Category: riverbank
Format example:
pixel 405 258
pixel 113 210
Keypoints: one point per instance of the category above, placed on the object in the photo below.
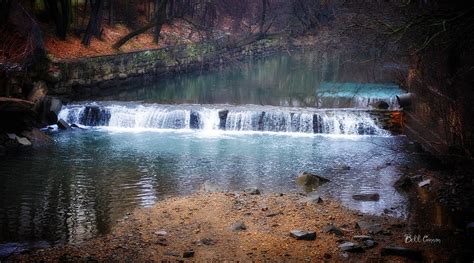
pixel 249 227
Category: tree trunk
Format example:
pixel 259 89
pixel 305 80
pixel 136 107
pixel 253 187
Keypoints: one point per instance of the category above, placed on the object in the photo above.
pixel 160 18
pixel 111 12
pixel 95 23
pixel 262 20
pixel 4 11
pixel 157 22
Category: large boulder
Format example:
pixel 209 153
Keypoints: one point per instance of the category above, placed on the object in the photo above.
pixel 51 108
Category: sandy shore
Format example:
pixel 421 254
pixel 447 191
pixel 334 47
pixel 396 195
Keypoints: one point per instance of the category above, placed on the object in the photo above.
pixel 240 227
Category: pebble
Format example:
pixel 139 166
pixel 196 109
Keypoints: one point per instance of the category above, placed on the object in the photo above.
pixel 303 235
pixel 238 226
pixel 333 230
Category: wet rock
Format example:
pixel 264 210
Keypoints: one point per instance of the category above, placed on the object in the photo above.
pixel 333 230
pixel 351 247
pixel 402 252
pixel 381 105
pixel 51 108
pixel 424 183
pixel 366 197
pixel 362 237
pixel 223 119
pixel 303 235
pixel 22 141
pixel 188 254
pixel 194 120
pixel 368 227
pixel 63 125
pixel 238 226
pixel 95 116
pixel 310 181
pixel 252 191
pixel 313 199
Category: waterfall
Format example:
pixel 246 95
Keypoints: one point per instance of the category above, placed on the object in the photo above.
pixel 233 118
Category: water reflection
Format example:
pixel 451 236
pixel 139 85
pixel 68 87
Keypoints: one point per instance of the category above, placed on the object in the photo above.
pixel 79 188
pixel 281 80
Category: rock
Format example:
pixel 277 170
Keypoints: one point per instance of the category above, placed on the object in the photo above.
pixel 15 105
pixel 207 241
pixel 188 254
pixel 424 183
pixel 194 120
pixel 161 233
pixel 252 191
pixel 362 237
pixel 404 182
pixel 369 243
pixel 223 119
pixel 351 247
pixel 402 252
pixel 38 92
pixel 95 116
pixel 303 235
pixel 381 105
pixel 310 181
pixel 333 230
pixel 37 137
pixel 313 199
pixel 162 242
pixel 368 227
pixel 273 214
pixel 23 141
pixel 63 125
pixel 238 226
pixel 11 136
pixel 51 108
pixel 366 197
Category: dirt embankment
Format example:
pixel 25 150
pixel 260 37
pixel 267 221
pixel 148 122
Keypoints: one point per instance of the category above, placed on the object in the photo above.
pixel 241 227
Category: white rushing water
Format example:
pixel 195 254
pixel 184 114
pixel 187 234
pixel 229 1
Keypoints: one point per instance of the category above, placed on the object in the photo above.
pixel 228 118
